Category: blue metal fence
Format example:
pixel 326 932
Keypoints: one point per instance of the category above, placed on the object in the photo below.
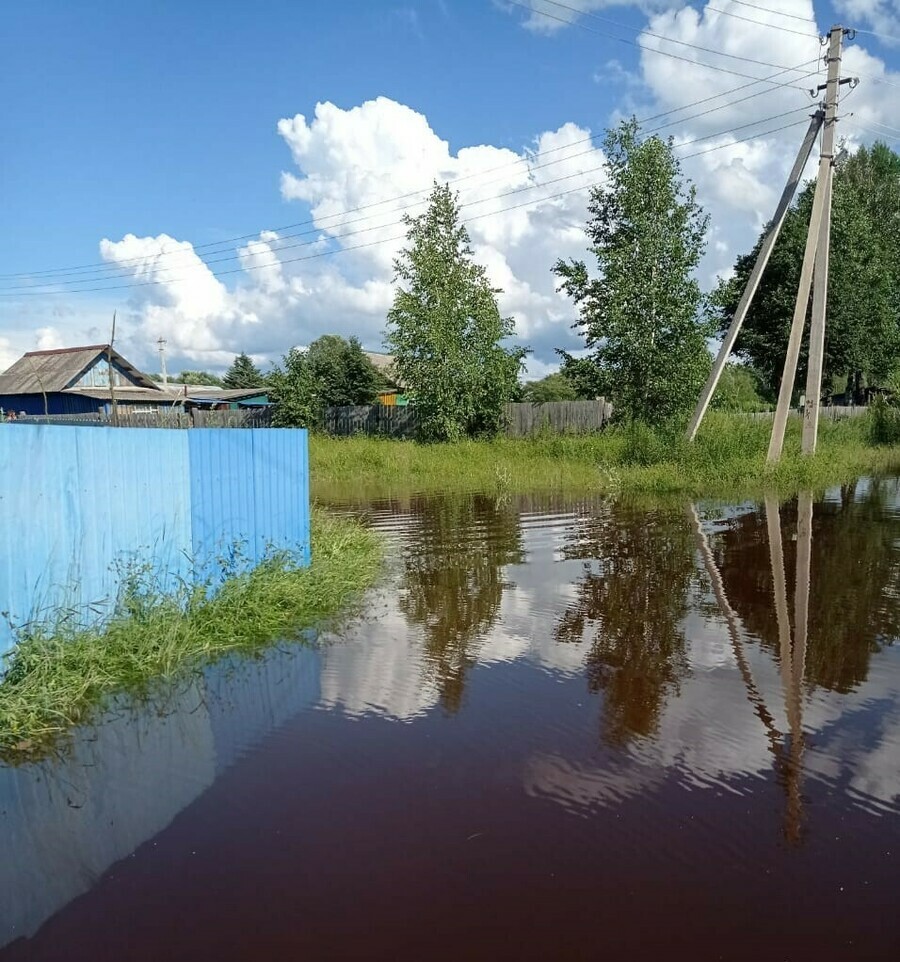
pixel 78 507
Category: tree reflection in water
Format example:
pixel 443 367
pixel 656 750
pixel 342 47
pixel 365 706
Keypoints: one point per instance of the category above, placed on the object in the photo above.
pixel 453 584
pixel 630 605
pixel 854 587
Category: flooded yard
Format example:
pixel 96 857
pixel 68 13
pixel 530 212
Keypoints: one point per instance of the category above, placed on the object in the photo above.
pixel 563 729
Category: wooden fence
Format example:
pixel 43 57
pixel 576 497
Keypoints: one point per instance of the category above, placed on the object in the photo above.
pixel 828 412
pixel 556 417
pixel 522 420
pixel 372 419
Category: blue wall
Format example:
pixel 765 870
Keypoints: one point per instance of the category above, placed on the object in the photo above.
pixel 122 781
pixel 57 403
pixel 78 502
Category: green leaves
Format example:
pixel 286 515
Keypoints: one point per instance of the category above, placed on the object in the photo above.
pixel 862 343
pixel 333 371
pixel 445 329
pixel 243 373
pixel 641 314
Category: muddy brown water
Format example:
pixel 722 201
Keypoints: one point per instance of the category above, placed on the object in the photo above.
pixel 563 729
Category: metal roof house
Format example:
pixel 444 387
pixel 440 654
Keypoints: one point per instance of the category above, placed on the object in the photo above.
pixel 76 380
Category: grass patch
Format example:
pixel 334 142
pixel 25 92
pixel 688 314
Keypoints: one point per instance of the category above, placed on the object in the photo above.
pixel 59 676
pixel 727 459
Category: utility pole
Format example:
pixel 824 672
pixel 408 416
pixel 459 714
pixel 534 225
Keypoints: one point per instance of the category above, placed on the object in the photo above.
pixel 820 281
pixel 786 390
pixel 814 272
pixel 162 360
pixel 762 259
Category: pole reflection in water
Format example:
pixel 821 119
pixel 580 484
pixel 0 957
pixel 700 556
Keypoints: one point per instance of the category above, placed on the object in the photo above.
pixel 558 718
pixel 787 749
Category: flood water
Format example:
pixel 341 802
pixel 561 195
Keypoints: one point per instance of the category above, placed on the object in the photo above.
pixel 563 729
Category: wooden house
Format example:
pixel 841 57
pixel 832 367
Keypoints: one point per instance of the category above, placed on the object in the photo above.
pixel 76 380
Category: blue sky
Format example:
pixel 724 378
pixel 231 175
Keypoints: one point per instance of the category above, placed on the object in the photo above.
pixel 162 121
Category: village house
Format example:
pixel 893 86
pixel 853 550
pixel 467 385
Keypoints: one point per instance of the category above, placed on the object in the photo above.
pixel 76 380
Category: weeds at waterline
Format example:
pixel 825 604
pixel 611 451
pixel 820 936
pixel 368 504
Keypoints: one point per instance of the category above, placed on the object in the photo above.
pixel 727 459
pixel 56 679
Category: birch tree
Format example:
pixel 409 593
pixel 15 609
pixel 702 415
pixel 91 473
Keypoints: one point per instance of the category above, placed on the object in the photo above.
pixel 640 314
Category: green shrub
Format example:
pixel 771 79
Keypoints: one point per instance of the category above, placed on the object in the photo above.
pixel 884 422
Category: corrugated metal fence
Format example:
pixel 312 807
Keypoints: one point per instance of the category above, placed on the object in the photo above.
pixel 79 508
pixel 522 420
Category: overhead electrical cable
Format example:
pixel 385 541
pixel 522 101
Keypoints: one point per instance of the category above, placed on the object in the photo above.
pixel 780 13
pixel 396 223
pixel 763 23
pixel 877 33
pixel 398 237
pixel 316 224
pixel 113 269
pixel 646 33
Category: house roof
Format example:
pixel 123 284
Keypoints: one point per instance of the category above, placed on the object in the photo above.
pixel 206 392
pixel 50 371
pixel 384 364
pixel 134 394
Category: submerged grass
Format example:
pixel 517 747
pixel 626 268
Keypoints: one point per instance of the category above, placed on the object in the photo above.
pixel 726 459
pixel 58 677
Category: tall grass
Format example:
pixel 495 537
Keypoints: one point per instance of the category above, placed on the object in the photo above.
pixel 59 676
pixel 727 458
pixel 884 422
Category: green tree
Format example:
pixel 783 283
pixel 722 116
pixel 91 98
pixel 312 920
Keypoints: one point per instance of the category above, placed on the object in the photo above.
pixel 294 391
pixel 445 329
pixel 553 387
pixel 198 377
pixel 243 373
pixel 862 345
pixel 332 371
pixel 641 314
pixel 739 390
pixel 343 372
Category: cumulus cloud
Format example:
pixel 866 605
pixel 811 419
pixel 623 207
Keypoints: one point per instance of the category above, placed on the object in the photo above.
pixel 739 175
pixel 359 171
pixel 8 354
pixel 880 15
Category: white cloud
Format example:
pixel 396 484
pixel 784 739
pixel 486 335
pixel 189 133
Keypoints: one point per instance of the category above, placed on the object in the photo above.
pixel 739 183
pixel 358 170
pixel 523 211
pixel 881 15
pixel 7 354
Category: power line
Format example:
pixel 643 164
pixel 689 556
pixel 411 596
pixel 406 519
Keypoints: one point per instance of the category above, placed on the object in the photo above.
pixel 780 13
pixel 877 33
pixel 879 123
pixel 876 133
pixel 878 80
pixel 88 271
pixel 763 23
pixel 394 223
pixel 388 240
pixel 646 33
